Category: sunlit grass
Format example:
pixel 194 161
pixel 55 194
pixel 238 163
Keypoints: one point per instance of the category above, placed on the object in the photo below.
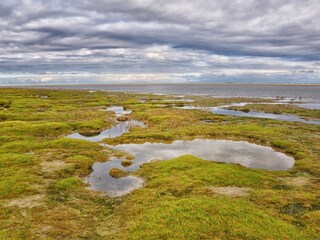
pixel 42 195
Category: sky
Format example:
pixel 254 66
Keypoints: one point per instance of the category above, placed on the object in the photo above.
pixel 159 41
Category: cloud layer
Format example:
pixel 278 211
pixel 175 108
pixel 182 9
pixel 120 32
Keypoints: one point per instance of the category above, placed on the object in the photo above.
pixel 159 41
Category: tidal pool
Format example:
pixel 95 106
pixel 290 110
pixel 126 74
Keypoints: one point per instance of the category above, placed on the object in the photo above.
pixel 223 111
pixel 239 152
pixel 174 100
pixel 314 106
pixel 255 114
pixel 118 110
pixel 100 180
pixel 116 131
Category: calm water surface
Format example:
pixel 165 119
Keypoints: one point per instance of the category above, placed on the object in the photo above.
pixel 310 93
pixel 282 117
pixel 118 110
pixel 222 111
pixel 315 106
pixel 239 152
pixel 116 131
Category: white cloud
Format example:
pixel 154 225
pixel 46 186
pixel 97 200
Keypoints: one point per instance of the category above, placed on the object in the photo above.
pixel 159 39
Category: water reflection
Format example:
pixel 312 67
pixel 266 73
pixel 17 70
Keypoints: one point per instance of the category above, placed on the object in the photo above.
pixel 240 152
pixel 315 106
pixel 255 114
pixel 100 180
pixel 116 131
pixel 118 110
pixel 223 111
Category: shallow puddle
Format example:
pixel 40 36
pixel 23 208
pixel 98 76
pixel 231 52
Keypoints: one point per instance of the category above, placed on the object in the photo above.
pixel 118 110
pixel 283 117
pixel 309 105
pixel 239 152
pixel 116 131
pixel 100 180
pixel 179 100
pixel 255 114
pixel 222 111
pixel 314 106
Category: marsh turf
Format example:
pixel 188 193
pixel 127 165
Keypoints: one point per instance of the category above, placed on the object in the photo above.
pixel 43 196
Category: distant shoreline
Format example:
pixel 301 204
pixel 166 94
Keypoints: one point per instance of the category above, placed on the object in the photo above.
pixel 158 84
pixel 251 90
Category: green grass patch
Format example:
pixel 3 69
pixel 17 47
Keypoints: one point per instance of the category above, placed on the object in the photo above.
pixel 68 183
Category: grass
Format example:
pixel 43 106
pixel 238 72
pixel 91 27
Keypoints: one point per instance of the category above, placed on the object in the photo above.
pixel 177 202
pixel 126 163
pixel 207 218
pixel 42 195
pixel 68 183
pixel 117 173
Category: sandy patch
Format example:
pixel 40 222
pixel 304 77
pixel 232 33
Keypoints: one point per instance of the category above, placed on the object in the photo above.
pixel 26 202
pixel 231 191
pixel 297 181
pixel 50 167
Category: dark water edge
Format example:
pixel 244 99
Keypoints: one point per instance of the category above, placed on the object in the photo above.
pixel 310 93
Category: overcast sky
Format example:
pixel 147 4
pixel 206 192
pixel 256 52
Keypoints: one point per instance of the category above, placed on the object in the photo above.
pixel 107 41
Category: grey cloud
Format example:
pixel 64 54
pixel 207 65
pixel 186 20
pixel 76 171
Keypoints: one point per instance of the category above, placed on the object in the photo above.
pixel 150 36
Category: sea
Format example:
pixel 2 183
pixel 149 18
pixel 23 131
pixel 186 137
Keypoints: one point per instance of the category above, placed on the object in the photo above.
pixel 307 93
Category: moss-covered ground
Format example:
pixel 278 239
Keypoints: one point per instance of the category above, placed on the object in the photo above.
pixel 42 195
